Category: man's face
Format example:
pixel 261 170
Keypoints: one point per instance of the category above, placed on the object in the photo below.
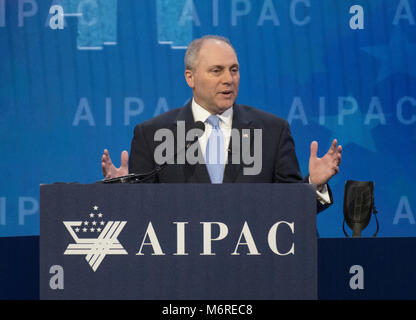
pixel 215 77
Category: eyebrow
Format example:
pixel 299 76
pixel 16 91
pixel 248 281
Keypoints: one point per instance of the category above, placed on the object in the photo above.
pixel 222 67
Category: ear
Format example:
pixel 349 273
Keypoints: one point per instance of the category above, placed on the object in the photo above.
pixel 189 77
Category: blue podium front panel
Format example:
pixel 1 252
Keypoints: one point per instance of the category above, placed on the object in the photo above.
pixel 367 268
pixel 175 241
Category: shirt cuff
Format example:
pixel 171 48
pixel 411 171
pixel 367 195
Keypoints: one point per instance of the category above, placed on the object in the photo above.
pixel 323 195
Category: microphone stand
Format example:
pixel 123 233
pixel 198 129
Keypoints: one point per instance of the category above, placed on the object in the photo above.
pixel 130 178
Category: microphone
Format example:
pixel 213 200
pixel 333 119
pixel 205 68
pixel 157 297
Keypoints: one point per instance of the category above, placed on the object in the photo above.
pixel 358 205
pixel 199 126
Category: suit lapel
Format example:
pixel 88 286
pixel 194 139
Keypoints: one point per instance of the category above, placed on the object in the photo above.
pixel 192 172
pixel 240 121
pixel 198 172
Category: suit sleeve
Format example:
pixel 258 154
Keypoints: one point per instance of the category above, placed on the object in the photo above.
pixel 286 168
pixel 141 156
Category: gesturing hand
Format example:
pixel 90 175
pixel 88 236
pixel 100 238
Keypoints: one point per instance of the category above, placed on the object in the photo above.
pixel 322 169
pixel 109 170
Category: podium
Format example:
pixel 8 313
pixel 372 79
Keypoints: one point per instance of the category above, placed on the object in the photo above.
pixel 178 241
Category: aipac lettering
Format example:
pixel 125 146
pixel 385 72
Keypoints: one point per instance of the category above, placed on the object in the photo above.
pixel 2 13
pixel 95 238
pixel 348 106
pixel 32 5
pixel 209 236
pixel 404 212
pixel 403 12
pixel 104 21
pixel 2 211
pixel 28 206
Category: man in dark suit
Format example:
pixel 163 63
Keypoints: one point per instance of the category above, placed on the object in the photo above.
pixel 212 72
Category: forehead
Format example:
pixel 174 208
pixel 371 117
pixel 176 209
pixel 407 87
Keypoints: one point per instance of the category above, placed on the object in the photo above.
pixel 216 52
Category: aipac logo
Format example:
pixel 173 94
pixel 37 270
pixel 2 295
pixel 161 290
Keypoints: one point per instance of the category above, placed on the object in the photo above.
pixel 88 243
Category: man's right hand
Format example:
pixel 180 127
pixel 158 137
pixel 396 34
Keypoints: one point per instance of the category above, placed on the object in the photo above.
pixel 109 170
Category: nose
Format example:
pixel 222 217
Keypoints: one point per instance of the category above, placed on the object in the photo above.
pixel 227 77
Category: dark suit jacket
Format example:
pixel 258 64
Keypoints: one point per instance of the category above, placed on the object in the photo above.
pixel 279 161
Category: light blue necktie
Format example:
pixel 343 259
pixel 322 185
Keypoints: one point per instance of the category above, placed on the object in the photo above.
pixel 214 155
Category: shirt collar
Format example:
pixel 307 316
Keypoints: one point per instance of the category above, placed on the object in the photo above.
pixel 201 114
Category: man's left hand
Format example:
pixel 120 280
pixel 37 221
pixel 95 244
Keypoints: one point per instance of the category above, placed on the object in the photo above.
pixel 322 169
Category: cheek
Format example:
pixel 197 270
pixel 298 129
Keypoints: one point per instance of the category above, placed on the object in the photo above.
pixel 210 87
pixel 236 85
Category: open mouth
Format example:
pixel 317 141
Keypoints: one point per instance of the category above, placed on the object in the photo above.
pixel 226 93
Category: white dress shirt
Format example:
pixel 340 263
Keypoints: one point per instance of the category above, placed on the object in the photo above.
pixel 226 122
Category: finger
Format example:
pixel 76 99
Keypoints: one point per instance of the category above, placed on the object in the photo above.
pixel 104 166
pixel 106 155
pixel 103 160
pixel 124 159
pixel 333 146
pixel 339 154
pixel 314 149
pixel 105 163
pixel 104 169
pixel 110 162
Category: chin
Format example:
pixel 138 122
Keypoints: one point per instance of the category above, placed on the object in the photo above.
pixel 223 108
pixel 225 105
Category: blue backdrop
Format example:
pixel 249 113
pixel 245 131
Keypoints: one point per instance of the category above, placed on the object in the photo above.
pixel 333 68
